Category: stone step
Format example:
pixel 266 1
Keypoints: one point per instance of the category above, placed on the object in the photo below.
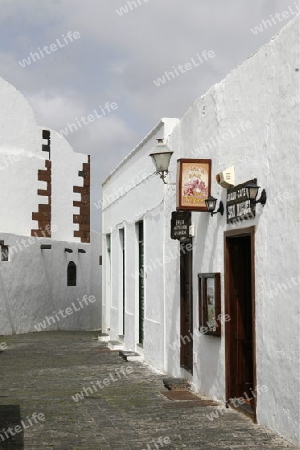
pixel 176 384
pixel 103 337
pixel 115 345
pixel 131 356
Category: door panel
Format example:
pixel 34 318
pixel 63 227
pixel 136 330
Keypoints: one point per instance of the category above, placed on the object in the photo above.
pixel 186 301
pixel 141 282
pixel 239 331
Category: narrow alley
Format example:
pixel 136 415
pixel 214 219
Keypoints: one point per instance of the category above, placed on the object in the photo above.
pixel 68 391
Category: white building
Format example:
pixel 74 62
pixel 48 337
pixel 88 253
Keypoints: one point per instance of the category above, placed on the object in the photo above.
pixel 250 121
pixel 45 262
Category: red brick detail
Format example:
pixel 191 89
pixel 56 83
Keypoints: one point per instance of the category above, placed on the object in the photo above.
pixel 85 198
pixel 82 190
pixel 43 216
pixel 43 175
pixel 83 218
pixel 84 209
pixel 40 233
pixel 44 193
pixel 80 204
pixel 84 235
pixel 84 227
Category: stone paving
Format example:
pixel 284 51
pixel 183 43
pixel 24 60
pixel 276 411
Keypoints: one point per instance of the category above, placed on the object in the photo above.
pixel 119 406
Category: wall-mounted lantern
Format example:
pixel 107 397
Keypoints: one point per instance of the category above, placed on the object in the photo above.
pixel 211 206
pixel 68 250
pixel 46 247
pixel 252 191
pixel 81 250
pixel 161 157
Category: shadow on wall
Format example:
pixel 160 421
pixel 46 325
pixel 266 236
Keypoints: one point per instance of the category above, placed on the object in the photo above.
pixel 7 328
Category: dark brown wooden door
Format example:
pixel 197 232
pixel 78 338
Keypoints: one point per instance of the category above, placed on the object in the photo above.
pixel 186 309
pixel 141 283
pixel 239 336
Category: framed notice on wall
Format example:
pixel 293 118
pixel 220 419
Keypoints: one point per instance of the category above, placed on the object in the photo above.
pixel 209 289
pixel 193 184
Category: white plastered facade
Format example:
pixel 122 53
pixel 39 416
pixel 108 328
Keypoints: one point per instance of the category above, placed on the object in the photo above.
pixel 250 121
pixel 33 282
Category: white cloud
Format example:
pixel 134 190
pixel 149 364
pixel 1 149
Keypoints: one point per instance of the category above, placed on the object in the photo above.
pixel 117 58
pixel 52 109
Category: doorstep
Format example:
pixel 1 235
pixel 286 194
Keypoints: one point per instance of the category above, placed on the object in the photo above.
pixel 245 408
pixel 103 337
pixel 131 356
pixel 176 384
pixel 115 345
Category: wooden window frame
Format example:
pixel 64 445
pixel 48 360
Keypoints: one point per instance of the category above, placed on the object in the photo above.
pixel 204 323
pixel 4 253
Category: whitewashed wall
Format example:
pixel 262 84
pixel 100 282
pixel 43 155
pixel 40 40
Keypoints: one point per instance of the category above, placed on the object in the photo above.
pixel 20 159
pixel 255 126
pixel 96 276
pixel 249 120
pixel 65 166
pixel 33 286
pixel 126 200
pixel 33 283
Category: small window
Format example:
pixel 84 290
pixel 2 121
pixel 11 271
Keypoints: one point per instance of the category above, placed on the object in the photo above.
pixel 108 243
pixel 71 274
pixel 4 252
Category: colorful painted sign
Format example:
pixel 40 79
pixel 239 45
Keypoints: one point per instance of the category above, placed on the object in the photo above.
pixel 193 183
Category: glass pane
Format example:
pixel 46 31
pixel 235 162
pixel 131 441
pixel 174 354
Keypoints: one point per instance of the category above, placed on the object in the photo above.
pixel 211 302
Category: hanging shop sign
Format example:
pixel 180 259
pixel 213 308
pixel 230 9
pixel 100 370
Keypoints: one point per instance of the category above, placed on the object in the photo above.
pixel 193 184
pixel 238 205
pixel 180 223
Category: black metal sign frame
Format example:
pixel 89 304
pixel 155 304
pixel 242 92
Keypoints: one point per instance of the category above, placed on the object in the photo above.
pixel 238 206
pixel 180 223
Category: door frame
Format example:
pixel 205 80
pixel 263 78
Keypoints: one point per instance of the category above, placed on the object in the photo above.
pixel 122 282
pixel 107 287
pixel 250 231
pixel 141 281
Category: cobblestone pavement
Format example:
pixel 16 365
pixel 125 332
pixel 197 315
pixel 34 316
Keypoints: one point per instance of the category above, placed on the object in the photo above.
pixel 122 406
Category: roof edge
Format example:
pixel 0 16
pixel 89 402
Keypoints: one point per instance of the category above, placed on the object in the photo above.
pixel 135 150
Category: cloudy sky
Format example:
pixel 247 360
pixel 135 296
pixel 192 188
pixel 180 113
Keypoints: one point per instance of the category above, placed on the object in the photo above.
pixel 117 56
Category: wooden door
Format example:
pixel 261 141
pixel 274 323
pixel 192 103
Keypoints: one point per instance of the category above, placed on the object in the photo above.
pixel 186 310
pixel 123 280
pixel 240 373
pixel 141 282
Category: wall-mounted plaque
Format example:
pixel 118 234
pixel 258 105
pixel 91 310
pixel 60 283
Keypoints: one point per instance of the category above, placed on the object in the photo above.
pixel 238 206
pixel 209 303
pixel 180 223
